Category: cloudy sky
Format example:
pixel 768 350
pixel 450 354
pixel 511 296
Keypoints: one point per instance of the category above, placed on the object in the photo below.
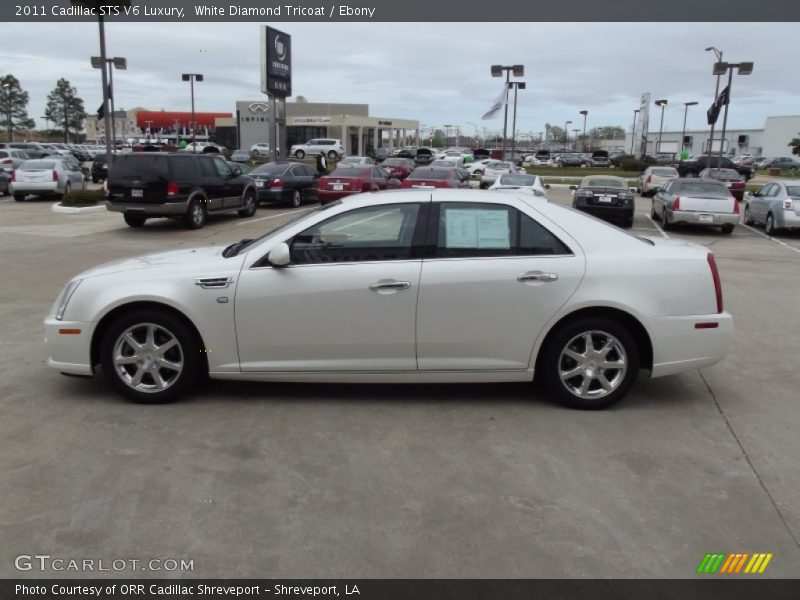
pixel 435 72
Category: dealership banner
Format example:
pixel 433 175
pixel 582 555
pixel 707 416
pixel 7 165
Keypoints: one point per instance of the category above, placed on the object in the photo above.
pixel 402 589
pixel 311 120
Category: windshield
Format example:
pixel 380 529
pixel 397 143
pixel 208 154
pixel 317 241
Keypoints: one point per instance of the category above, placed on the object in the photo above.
pixel 525 180
pixel 698 188
pixel 428 174
pixel 604 183
pixel 270 169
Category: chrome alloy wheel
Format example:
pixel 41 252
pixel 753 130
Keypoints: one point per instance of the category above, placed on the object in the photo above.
pixel 148 358
pixel 592 364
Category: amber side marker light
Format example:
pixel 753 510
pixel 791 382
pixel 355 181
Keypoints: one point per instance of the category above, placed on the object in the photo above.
pixel 69 331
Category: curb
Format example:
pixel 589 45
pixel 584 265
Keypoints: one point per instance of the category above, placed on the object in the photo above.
pixel 74 210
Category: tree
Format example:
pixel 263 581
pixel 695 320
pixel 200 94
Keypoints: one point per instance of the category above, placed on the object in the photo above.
pixel 13 107
pixel 65 109
pixel 795 145
pixel 555 134
pixel 607 132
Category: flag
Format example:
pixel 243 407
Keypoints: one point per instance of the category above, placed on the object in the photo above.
pixel 723 99
pixel 499 102
pixel 101 112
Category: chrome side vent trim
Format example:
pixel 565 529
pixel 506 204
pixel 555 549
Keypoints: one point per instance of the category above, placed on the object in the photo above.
pixel 213 283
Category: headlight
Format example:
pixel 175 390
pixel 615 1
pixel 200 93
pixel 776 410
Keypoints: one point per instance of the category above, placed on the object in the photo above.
pixel 65 296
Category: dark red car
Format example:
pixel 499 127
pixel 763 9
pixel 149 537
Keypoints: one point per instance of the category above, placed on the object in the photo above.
pixel 352 179
pixel 440 177
pixel 399 167
pixel 731 178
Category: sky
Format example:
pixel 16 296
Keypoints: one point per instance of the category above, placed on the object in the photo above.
pixel 437 73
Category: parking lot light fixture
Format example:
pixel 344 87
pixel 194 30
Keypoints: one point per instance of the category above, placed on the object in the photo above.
pixel 686 106
pixel 121 64
pixel 742 68
pixel 191 78
pixel 662 104
pixel 497 71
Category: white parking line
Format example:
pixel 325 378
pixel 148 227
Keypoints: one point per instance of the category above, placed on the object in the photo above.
pixel 661 231
pixel 769 237
pixel 291 212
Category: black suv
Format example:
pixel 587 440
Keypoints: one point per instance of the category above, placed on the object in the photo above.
pixel 99 168
pixel 692 168
pixel 177 185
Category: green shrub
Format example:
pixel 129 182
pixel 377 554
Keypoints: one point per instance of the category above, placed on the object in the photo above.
pixel 83 198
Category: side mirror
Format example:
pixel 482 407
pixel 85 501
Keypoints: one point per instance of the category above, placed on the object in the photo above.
pixel 279 256
pixel 573 187
pixel 547 186
pixel 632 190
pixel 237 170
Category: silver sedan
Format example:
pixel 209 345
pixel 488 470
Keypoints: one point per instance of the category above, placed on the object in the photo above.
pixel 46 176
pixel 776 206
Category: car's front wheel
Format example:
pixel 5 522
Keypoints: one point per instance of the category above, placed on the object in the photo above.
pixel 590 363
pixel 150 357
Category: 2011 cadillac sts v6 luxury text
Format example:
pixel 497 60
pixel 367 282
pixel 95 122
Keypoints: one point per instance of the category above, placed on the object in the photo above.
pixel 403 286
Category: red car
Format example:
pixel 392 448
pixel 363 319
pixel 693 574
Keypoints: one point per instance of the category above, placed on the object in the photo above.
pixel 399 167
pixel 440 177
pixel 731 178
pixel 352 179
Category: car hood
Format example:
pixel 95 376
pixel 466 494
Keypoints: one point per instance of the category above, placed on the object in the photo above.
pixel 204 259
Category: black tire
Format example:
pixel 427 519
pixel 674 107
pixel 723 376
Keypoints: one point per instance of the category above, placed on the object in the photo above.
pixel 332 155
pixel 6 192
pixel 195 216
pixel 249 206
pixel 134 220
pixel 727 229
pixel 483 186
pixel 185 353
pixel 769 225
pixel 95 180
pixel 19 197
pixel 295 199
pixel 653 213
pixel 748 218
pixel 67 189
pixel 628 223
pixel 623 351
pixel 666 224
pixel 300 155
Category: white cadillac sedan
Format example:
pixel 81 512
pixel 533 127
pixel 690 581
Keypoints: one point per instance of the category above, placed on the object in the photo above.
pixel 406 286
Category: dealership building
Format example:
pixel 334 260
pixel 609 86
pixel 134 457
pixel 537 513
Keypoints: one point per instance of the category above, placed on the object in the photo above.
pixel 304 121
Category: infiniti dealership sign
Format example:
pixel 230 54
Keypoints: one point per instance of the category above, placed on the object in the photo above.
pixel 276 62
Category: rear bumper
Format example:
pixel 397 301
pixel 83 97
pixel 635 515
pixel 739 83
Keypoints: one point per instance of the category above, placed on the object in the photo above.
pixel 693 218
pixel 787 219
pixel 607 213
pixel 270 195
pixel 24 187
pixel 679 346
pixel 329 196
pixel 166 208
pixel 69 353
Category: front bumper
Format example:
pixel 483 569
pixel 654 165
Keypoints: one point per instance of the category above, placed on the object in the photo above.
pixel 141 208
pixel 694 218
pixel 69 353
pixel 679 346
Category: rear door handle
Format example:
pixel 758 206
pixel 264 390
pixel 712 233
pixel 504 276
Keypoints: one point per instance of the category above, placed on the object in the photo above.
pixel 390 285
pixel 537 276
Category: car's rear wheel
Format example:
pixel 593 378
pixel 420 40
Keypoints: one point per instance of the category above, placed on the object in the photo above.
pixel 248 206
pixel 19 197
pixel 300 154
pixel 727 228
pixel 195 216
pixel 653 213
pixel 150 357
pixel 67 189
pixel 95 180
pixel 134 220
pixel 295 199
pixel 666 222
pixel 769 225
pixel 590 363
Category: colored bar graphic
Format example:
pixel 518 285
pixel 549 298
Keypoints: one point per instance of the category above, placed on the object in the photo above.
pixel 711 562
pixel 734 563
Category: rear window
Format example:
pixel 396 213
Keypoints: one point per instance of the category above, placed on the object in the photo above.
pixel 100 159
pixel 698 188
pixel 38 164
pixel 793 190
pixel 139 166
pixel 525 180
pixel 604 183
pixel 665 172
pixel 428 174
pixel 351 172
pixel 270 169
pixel 396 162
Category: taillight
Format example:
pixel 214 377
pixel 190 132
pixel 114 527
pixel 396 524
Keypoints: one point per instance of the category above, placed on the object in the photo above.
pixel 735 206
pixel 172 189
pixel 7 161
pixel 275 182
pixel 649 178
pixel 676 205
pixel 55 175
pixel 715 276
pixel 788 205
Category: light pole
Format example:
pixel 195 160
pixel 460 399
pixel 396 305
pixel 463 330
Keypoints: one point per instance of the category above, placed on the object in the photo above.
pixel 575 145
pixel 633 131
pixel 743 68
pixel 686 106
pixel 191 78
pixel 7 88
pixel 477 137
pixel 566 134
pixel 718 55
pixel 497 71
pixel 583 145
pixel 517 85
pixel 119 63
pixel 662 104
pixel 447 135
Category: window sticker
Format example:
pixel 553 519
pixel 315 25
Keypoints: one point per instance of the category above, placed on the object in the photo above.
pixel 471 228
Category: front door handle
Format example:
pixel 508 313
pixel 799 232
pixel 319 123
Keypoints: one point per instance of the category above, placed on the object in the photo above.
pixel 537 276
pixel 390 285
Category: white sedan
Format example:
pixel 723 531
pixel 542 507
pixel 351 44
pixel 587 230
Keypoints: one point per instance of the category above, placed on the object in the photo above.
pixel 501 287
pixel 521 182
